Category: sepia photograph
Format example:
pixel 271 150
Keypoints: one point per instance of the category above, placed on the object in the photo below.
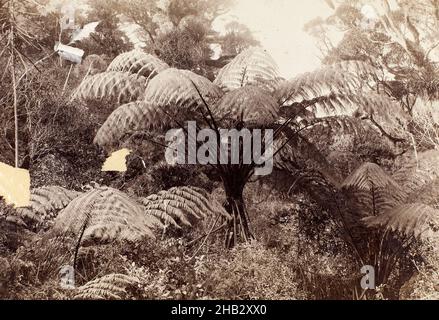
pixel 219 155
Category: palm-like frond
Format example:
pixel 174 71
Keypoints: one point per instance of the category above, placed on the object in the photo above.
pixel 387 202
pixel 332 79
pixel 368 176
pixel 415 219
pixel 375 190
pixel 109 287
pixel 182 204
pixel 113 216
pixel 123 87
pixel 253 66
pixel 45 203
pixel 131 117
pixel 249 105
pixel 138 62
pixel 175 88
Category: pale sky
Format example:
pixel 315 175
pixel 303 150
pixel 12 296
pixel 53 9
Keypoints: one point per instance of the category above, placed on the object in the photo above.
pixel 278 25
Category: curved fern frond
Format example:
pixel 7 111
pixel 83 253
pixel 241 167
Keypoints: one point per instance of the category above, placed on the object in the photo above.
pixel 131 117
pixel 249 105
pixel 45 203
pixel 112 214
pixel 202 199
pixel 324 81
pixel 182 202
pixel 123 87
pixel 375 191
pixel 109 287
pixel 138 62
pixel 175 88
pixel 416 219
pixel 368 176
pixel 253 66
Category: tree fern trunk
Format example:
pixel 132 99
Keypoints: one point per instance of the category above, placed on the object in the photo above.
pixel 238 229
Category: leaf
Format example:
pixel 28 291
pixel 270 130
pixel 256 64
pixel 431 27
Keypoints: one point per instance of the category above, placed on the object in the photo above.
pixel 111 286
pixel 249 105
pixel 175 88
pixel 123 87
pixel 415 219
pixel 253 66
pixel 138 62
pixel 131 117
pixel 45 203
pixel 113 216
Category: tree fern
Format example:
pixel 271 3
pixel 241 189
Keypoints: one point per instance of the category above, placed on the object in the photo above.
pixel 109 287
pixel 328 100
pixel 123 87
pixel 138 62
pixel 253 66
pixel 336 91
pixel 389 205
pixel 339 78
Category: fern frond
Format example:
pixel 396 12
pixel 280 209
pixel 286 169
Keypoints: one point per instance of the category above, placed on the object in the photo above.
pixel 416 219
pixel 253 66
pixel 182 202
pixel 45 203
pixel 121 86
pixel 131 117
pixel 109 287
pixel 113 216
pixel 249 105
pixel 375 190
pixel 368 176
pixel 202 198
pixel 174 88
pixel 322 82
pixel 138 62
pixel 174 209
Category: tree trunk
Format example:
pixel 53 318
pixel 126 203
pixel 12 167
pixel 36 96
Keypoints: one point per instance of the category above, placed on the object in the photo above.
pixel 238 229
